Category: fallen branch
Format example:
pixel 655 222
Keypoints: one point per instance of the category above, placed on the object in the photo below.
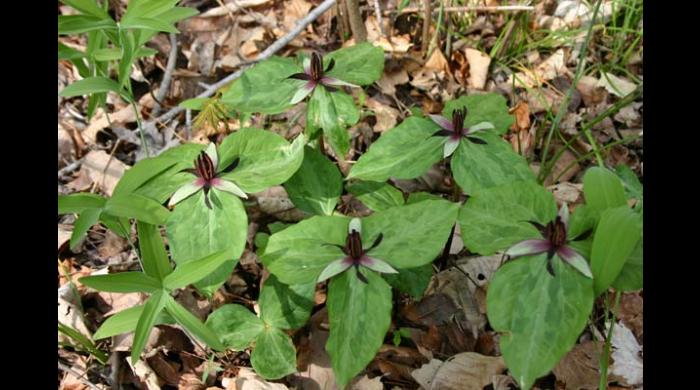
pixel 272 49
pixel 78 376
pixel 475 8
pixel 70 168
pixel 167 76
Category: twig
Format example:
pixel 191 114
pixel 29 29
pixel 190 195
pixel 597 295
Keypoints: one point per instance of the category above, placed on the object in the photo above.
pixel 272 49
pixel 426 27
pixel 501 8
pixel 378 14
pixel 78 376
pixel 357 24
pixel 167 76
pixel 70 168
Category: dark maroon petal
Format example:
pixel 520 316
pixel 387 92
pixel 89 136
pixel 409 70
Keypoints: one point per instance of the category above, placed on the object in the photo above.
pixel 300 76
pixel 583 235
pixel 550 269
pixel 362 278
pixel 442 133
pixel 376 242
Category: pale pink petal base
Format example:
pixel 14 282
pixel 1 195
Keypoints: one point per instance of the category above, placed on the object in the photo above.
pixel 442 122
pixel 333 82
pixel 480 127
pixel 230 187
pixel 528 247
pixel 334 268
pixel 211 152
pixel 186 191
pixel 378 265
pixel 577 261
pixel 303 92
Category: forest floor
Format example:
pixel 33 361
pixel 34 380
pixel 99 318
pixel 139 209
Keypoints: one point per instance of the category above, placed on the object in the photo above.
pixel 530 55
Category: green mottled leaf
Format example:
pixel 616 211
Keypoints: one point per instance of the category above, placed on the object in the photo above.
pixel 413 235
pixel 497 218
pixel 266 159
pixel 376 195
pixel 540 317
pixel 195 231
pixel 490 107
pixel 324 114
pixel 631 277
pixel 616 236
pixel 286 306
pixel 317 185
pixel 477 167
pixel 404 152
pixel 359 316
pixel 235 326
pixel 412 281
pixel 274 355
pixel 361 64
pixel 139 207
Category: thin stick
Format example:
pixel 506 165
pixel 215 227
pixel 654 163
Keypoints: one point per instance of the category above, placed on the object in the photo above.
pixel 426 27
pixel 378 14
pixel 70 168
pixel 167 76
pixel 357 24
pixel 502 8
pixel 272 49
pixel 78 376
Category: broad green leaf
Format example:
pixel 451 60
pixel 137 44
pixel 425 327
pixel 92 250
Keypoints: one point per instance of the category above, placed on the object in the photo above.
pixel 141 173
pixel 87 7
pixel 264 87
pixel 148 318
pixel 327 117
pixel 81 226
pixel 497 218
pixel 630 181
pixel 148 24
pixel 616 236
pixel 602 189
pixel 118 225
pixel 274 355
pixel 89 86
pixel 298 254
pixel 286 306
pixel 73 55
pixel 413 235
pixel 266 159
pixel 376 195
pixel 178 13
pixel 79 202
pixel 193 104
pixel 490 107
pixel 582 220
pixel 154 258
pixel 539 316
pixel 123 282
pixel 317 185
pixel 107 54
pixel 235 326
pixel 361 64
pixel 196 270
pixel 148 8
pixel 129 44
pixel 139 207
pixel 125 322
pixel 195 231
pixel 78 24
pixel 160 186
pixel 412 281
pixel 145 52
pixel 83 342
pixel 192 324
pixel 404 152
pixel 631 277
pixel 416 197
pixel 359 316
pixel 477 167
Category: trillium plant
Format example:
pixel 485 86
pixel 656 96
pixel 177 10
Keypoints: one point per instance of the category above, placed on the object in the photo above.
pixel 539 301
pixel 314 75
pixel 554 241
pixel 206 169
pixel 455 131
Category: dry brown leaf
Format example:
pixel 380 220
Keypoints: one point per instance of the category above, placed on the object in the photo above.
pixel 121 301
pixel 503 382
pixel 564 169
pixel 522 116
pixel 69 313
pixel 543 99
pixel 389 81
pixel 632 313
pixel 103 169
pixel 465 371
pixel 478 67
pixel 275 201
pixel 247 379
pixel 437 62
pixel 591 93
pixel 100 121
pixel 249 48
pixel 365 383
pixel 293 11
pixel 385 115
pixel 314 363
pixel 392 44
pixel 145 374
pixel 628 365
pixel 618 86
pixel 190 381
pixel 553 66
pixel 66 150
pixel 112 245
pixel 71 382
pixel 566 192
pixel 578 369
pixel 64 233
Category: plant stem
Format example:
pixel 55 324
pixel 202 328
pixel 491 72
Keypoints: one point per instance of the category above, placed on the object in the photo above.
pixel 565 103
pixel 603 384
pixel 426 27
pixel 132 100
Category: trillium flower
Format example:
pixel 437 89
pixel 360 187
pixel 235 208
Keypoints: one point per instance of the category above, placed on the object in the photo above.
pixel 207 173
pixel 454 129
pixel 356 255
pixel 554 241
pixel 314 75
